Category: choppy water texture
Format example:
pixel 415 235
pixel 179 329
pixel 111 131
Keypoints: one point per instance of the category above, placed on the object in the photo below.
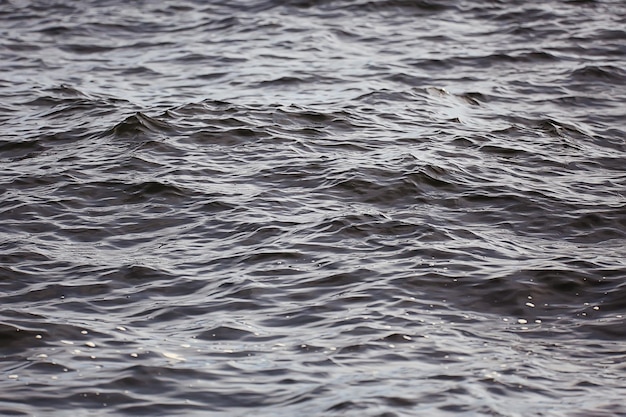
pixel 313 208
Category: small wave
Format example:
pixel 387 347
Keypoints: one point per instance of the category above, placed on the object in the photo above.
pixel 140 123
pixel 600 73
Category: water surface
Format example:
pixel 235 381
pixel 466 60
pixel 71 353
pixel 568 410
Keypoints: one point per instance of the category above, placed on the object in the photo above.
pixel 322 208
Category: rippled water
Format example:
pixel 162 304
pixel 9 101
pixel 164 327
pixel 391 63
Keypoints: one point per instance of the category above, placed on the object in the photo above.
pixel 317 208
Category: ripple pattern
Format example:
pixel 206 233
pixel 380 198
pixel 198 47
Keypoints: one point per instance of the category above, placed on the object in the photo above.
pixel 325 208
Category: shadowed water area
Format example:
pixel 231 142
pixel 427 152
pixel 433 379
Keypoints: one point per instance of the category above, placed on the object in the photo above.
pixel 313 208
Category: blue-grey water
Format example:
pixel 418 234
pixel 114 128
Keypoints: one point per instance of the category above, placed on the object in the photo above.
pixel 313 208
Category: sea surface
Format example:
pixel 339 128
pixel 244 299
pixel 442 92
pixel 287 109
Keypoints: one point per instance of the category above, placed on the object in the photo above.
pixel 369 208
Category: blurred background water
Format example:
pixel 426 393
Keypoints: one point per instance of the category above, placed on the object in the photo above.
pixel 320 208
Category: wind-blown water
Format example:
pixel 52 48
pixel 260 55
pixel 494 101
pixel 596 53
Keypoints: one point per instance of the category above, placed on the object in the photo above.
pixel 316 208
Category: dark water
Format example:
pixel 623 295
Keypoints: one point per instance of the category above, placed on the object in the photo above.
pixel 313 208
